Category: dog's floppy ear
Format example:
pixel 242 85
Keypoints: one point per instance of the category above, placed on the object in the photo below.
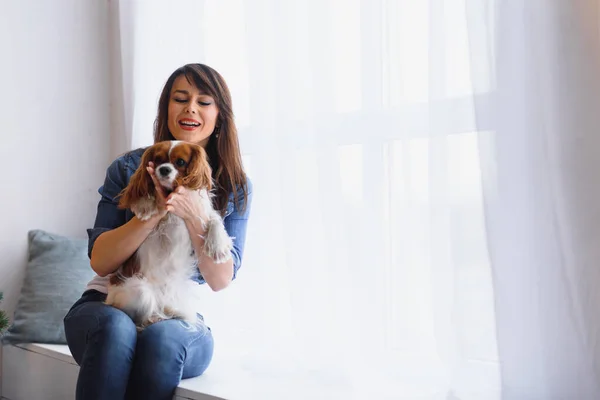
pixel 199 173
pixel 140 185
pixel 130 267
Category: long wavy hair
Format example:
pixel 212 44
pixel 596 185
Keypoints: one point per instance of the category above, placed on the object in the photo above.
pixel 223 147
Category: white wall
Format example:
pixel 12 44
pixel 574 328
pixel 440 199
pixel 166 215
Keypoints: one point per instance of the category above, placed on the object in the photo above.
pixel 54 123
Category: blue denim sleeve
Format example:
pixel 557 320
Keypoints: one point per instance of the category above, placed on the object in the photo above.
pixel 108 215
pixel 236 225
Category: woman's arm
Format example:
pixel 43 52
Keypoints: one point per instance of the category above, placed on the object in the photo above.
pixel 113 241
pixel 217 276
pixel 112 248
pixel 185 204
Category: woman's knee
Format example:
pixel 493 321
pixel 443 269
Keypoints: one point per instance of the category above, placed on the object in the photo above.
pixel 108 329
pixel 174 346
pixel 161 344
pixel 117 327
pixel 199 354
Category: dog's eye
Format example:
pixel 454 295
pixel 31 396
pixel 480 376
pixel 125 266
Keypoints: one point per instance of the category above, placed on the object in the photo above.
pixel 180 162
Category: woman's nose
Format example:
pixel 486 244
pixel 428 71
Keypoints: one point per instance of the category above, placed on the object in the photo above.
pixel 191 109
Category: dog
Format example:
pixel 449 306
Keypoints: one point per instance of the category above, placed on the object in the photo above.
pixel 155 283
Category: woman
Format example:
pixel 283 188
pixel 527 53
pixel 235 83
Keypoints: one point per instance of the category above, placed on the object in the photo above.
pixel 115 361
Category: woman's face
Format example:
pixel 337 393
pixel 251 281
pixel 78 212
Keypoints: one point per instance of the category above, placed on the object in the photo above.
pixel 192 115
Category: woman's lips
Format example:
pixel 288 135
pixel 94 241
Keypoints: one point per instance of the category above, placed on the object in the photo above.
pixel 188 124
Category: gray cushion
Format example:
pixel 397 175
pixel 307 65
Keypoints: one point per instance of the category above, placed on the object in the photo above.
pixel 58 270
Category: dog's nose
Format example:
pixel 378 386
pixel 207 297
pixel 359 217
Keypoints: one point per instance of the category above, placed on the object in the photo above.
pixel 164 171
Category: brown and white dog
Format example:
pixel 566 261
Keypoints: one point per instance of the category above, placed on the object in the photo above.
pixel 155 282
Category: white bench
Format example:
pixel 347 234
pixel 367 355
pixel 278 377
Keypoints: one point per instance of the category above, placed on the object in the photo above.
pixel 48 372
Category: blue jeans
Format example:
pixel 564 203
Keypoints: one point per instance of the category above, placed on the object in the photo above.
pixel 117 362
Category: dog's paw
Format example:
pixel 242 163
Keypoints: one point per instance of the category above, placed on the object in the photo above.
pixel 174 313
pixel 141 325
pixel 217 243
pixel 146 216
pixel 145 208
pixel 171 312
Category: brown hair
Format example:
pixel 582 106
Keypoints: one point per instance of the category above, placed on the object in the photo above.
pixel 223 150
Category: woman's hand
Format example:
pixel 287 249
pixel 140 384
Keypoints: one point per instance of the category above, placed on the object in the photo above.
pixel 161 200
pixel 184 203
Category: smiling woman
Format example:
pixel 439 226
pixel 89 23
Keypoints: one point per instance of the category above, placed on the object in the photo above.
pixel 195 105
pixel 192 113
pixel 115 360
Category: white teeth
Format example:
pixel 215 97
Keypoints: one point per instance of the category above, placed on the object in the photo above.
pixel 189 123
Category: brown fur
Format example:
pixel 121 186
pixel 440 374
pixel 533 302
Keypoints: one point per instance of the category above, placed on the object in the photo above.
pixel 141 183
pixel 129 268
pixel 196 174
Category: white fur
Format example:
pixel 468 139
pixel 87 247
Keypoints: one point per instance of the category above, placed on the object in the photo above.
pixel 166 181
pixel 164 288
pixel 174 143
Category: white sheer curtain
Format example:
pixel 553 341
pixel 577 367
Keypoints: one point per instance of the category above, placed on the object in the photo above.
pixel 542 194
pixel 376 133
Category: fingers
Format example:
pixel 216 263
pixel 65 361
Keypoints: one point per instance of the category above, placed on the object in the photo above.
pixel 160 192
pixel 173 201
pixel 157 185
pixel 178 191
pixel 167 201
pixel 171 198
pixel 150 169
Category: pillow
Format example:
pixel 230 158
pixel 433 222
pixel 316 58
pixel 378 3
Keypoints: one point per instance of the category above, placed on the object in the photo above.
pixel 58 270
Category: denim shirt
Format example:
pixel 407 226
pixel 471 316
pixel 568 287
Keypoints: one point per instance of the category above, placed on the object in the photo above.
pixel 109 216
